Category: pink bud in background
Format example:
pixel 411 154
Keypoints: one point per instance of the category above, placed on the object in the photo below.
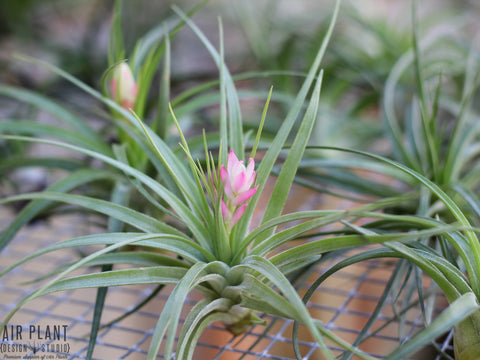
pixel 237 184
pixel 123 86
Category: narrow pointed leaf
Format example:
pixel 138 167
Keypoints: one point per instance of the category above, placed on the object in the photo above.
pixel 460 309
pixel 66 184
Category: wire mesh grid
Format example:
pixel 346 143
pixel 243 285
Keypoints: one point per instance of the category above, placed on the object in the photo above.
pixel 58 324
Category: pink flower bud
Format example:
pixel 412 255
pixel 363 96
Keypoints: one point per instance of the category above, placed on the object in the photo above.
pixel 123 86
pixel 237 179
pixel 237 184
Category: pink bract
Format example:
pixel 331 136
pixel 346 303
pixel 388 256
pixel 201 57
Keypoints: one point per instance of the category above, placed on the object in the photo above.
pixel 123 86
pixel 237 183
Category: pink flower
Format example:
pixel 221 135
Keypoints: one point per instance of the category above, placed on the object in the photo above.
pixel 237 184
pixel 123 86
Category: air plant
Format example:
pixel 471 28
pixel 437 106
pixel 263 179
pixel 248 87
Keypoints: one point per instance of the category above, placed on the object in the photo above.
pixel 434 144
pixel 210 246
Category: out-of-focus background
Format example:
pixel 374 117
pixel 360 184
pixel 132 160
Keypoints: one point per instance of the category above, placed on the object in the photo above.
pixel 275 37
pixel 261 34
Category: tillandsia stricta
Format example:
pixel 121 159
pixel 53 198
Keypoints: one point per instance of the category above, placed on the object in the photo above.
pixel 210 247
pixel 441 165
pixel 213 249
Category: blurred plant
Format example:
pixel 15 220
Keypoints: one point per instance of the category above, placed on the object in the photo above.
pixel 107 182
pixel 434 140
pixel 79 131
pixel 428 122
pixel 363 51
pixel 11 151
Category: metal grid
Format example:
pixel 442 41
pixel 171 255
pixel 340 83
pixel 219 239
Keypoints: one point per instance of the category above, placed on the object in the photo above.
pixel 343 303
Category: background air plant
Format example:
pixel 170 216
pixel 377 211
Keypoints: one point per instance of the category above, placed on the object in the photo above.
pixel 434 139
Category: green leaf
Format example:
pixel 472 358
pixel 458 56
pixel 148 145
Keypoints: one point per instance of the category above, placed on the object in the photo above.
pixel 320 218
pixel 150 275
pixel 148 53
pixel 459 310
pixel 260 127
pixel 447 277
pixel 447 284
pixel 336 172
pixel 332 243
pixel 264 267
pixel 161 122
pixel 202 325
pixel 116 50
pixel 171 312
pixel 258 296
pixel 429 137
pixel 140 258
pixel 132 257
pixel 470 197
pixel 200 181
pixel 234 115
pixel 287 265
pixel 178 244
pixel 223 123
pixel 46 104
pixel 22 127
pixel 289 168
pixel 449 270
pixel 120 195
pixel 97 315
pixel 393 126
pixel 192 328
pixel 283 132
pixel 125 214
pixel 189 218
pixel 68 183
pixel 464 132
pixel 473 243
pixel 18 161
pixel 132 310
pixel 465 338
pixel 353 259
pixel 45 288
pixel 183 179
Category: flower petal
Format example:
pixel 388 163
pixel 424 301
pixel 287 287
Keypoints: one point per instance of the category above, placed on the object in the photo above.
pixel 238 213
pixel 246 195
pixel 232 162
pixel 251 167
pixel 227 188
pixel 225 211
pixel 223 174
pixel 240 184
